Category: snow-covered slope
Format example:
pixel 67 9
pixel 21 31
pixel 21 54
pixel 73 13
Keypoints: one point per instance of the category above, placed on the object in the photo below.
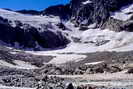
pixel 30 31
pixel 33 20
pixel 82 41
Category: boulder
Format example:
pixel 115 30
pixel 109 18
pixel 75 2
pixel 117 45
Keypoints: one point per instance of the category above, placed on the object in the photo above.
pixel 130 71
pixel 70 86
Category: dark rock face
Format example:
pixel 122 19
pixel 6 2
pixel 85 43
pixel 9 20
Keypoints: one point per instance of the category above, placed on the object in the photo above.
pixel 31 12
pixel 63 11
pixel 96 12
pixel 128 26
pixel 130 71
pixel 48 39
pixel 70 86
pixel 113 24
pixel 30 37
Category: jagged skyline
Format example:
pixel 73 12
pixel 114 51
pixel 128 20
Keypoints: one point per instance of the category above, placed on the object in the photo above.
pixel 30 4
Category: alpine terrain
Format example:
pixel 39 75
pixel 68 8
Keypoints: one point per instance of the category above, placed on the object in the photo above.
pixel 85 44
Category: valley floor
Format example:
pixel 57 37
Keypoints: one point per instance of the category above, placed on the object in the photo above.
pixel 100 81
pixel 38 61
pixel 112 80
pixel 6 87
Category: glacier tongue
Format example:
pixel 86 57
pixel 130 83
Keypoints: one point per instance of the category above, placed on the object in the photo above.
pixel 94 40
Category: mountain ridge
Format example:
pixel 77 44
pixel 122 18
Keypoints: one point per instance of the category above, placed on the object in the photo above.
pixel 50 28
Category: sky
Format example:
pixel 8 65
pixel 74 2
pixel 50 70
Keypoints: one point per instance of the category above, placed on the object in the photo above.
pixel 30 4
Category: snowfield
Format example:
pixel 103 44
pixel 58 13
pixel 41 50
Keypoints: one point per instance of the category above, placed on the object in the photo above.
pixel 116 41
pixel 35 21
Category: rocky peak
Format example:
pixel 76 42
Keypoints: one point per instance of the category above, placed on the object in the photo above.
pixel 85 12
pixel 95 11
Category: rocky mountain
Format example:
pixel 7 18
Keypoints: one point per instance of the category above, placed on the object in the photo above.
pixel 84 42
pixel 48 28
pixel 96 11
pixel 86 12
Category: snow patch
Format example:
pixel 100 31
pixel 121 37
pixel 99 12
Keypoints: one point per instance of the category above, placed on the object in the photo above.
pixel 7 87
pixel 94 63
pixel 60 58
pixel 19 65
pixel 87 2
pixel 24 65
pixel 92 25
